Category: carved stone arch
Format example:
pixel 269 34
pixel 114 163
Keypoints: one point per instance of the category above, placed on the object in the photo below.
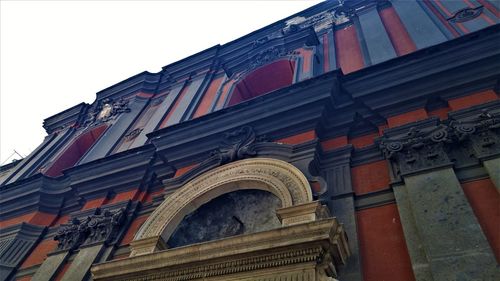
pixel 278 177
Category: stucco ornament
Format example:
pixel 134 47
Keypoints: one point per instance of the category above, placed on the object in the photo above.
pixel 275 176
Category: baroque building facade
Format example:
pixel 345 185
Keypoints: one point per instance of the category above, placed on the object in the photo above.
pixel 350 141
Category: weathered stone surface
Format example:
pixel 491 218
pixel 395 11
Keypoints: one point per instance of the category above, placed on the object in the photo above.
pixel 493 168
pixel 234 213
pixel 308 251
pixel 452 239
pixel 80 266
pixel 50 266
pixel 343 210
pixel 419 262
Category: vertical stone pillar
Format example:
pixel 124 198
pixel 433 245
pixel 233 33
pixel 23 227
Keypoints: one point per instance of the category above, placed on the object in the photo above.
pixel 47 271
pixel 444 238
pixel 493 168
pixel 451 236
pixel 336 169
pixel 416 251
pixel 92 231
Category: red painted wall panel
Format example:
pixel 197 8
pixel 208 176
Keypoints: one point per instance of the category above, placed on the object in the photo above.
pixel 471 100
pixel 384 254
pixel 370 177
pixel 62 271
pixel 363 141
pixel 37 218
pixel 349 56
pixel 485 201
pixel 208 97
pixel 133 228
pixel 407 117
pixel 401 40
pixel 334 143
pixel 39 254
pixel 177 101
pixel 75 151
pixel 300 138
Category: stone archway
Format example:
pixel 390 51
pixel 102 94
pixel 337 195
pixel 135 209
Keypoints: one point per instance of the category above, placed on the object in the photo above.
pixel 275 176
pixel 309 245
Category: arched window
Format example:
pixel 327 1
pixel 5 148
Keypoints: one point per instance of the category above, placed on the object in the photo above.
pixel 263 80
pixel 70 156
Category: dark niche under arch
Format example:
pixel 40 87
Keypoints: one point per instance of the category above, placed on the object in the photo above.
pixel 233 213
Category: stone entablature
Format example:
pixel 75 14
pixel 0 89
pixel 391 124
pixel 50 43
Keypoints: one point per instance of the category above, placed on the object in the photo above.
pixel 307 251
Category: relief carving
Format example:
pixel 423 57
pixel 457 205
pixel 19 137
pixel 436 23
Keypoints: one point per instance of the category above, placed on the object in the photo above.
pixel 106 110
pixel 466 14
pixel 455 141
pixel 417 150
pixel 102 226
pixel 481 131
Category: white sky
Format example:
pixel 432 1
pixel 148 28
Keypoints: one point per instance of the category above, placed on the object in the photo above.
pixel 56 54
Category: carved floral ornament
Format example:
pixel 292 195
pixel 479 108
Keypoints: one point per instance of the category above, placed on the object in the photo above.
pixel 99 227
pixel 426 148
pixel 275 176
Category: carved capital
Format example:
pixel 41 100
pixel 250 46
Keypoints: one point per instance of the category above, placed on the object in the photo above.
pixel 482 132
pixel 101 227
pixel 418 150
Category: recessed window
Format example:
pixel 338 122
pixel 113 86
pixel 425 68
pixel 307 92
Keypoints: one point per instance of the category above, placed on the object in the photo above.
pixel 263 80
pixel 75 151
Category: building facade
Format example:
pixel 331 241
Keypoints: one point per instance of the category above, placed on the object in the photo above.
pixel 350 141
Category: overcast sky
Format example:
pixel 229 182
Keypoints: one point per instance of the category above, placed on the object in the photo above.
pixel 56 54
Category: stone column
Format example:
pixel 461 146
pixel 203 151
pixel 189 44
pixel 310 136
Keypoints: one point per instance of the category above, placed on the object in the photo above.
pixel 336 169
pixel 91 231
pixel 47 271
pixel 444 238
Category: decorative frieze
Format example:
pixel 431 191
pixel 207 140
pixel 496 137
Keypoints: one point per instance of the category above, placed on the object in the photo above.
pixel 237 145
pixel 102 226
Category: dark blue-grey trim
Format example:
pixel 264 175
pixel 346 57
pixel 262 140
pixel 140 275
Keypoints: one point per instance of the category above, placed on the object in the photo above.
pixel 421 28
pixel 377 41
pixel 361 39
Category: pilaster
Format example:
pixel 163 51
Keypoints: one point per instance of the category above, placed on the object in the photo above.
pixel 339 197
pixel 443 235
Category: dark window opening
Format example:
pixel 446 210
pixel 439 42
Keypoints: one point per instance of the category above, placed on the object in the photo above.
pixel 75 151
pixel 263 80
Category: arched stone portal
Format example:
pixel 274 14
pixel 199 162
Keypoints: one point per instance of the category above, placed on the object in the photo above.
pixel 275 176
pixel 309 245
